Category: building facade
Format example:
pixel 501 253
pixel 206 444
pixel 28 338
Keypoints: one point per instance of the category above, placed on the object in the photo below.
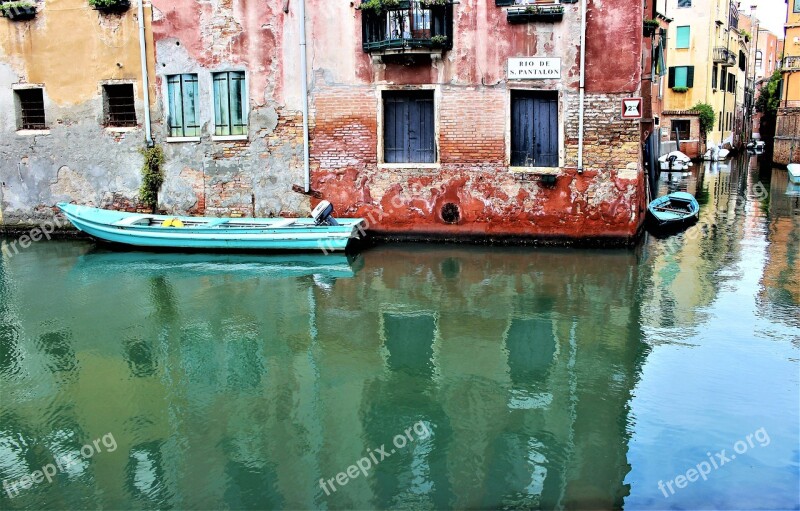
pixel 71 109
pixel 787 129
pixel 427 118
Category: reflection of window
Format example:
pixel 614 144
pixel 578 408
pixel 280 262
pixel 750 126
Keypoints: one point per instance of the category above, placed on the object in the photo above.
pixel 409 341
pixel 229 95
pixel 682 40
pixel 182 98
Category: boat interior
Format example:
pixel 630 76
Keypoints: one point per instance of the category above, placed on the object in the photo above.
pixel 226 223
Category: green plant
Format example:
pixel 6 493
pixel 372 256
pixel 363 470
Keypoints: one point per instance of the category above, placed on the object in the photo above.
pixel 9 6
pixel 680 89
pixel 378 6
pixel 744 33
pixel 431 3
pixel 532 9
pixel 105 3
pixel 707 117
pixel 653 23
pixel 152 175
pixel 768 97
pixel 439 40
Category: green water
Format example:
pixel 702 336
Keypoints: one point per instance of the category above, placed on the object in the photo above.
pixel 513 377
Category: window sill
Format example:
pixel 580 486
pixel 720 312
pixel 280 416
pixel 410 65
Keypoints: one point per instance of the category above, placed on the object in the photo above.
pixel 535 170
pixel 175 140
pixel 228 138
pixel 32 133
pixel 121 129
pixel 409 165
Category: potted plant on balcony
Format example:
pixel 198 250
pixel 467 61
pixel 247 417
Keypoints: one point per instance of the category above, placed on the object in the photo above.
pixel 680 90
pixel 378 6
pixel 434 3
pixel 439 41
pixel 18 11
pixel 111 6
pixel 649 27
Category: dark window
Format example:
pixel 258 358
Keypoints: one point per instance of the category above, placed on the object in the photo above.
pixel 731 82
pixel 31 109
pixel 408 127
pixel 684 3
pixel 680 129
pixel 229 109
pixel 742 61
pixel 759 56
pixel 182 104
pixel 723 84
pixel 720 121
pixel 120 110
pixel 714 77
pixel 534 129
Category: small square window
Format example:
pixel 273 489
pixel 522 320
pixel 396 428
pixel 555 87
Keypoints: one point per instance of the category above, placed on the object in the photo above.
pixel 30 109
pixel 118 105
pixel 680 129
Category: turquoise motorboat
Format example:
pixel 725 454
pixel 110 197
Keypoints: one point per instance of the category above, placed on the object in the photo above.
pixel 794 172
pixel 320 233
pixel 673 211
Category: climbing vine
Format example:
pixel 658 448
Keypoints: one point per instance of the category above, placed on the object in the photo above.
pixel 152 175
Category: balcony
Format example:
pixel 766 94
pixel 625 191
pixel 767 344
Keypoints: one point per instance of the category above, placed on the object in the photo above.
pixel 791 63
pixel 536 11
pixel 724 56
pixel 406 27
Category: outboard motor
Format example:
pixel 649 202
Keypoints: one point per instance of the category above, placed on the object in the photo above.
pixel 322 214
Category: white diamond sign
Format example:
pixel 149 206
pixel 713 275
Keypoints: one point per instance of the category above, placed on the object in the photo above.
pixel 632 108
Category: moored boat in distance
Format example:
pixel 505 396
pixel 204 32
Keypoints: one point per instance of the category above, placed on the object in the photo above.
pixel 322 232
pixel 673 211
pixel 794 172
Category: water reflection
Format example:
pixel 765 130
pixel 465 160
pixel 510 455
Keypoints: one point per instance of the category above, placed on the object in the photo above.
pixel 547 377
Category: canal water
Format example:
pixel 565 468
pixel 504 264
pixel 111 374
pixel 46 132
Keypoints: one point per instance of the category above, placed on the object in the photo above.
pixel 415 377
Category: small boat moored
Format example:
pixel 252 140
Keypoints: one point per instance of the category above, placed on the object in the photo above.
pixel 675 161
pixel 673 211
pixel 322 232
pixel 794 172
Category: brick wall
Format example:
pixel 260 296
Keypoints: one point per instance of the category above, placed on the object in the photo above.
pixel 787 137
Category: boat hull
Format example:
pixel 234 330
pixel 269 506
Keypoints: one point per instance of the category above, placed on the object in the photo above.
pixel 794 173
pixel 204 233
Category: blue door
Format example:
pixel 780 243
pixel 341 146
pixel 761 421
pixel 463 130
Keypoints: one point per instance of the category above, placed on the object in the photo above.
pixel 534 129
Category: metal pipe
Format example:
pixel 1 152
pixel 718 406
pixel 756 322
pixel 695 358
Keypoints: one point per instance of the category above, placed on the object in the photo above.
pixel 148 135
pixel 304 74
pixel 582 86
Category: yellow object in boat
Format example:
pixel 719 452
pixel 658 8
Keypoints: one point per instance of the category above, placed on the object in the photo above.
pixel 172 222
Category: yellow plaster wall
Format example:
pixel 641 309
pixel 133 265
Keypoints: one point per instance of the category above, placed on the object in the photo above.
pixel 70 48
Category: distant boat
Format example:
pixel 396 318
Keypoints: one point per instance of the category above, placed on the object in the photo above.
pixel 322 232
pixel 673 211
pixel 675 161
pixel 794 172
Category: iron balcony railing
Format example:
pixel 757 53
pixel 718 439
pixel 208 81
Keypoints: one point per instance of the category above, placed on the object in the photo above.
pixel 724 56
pixel 537 10
pixel 790 63
pixel 408 25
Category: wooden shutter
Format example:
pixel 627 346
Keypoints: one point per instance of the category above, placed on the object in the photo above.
pixel 671 79
pixel 690 76
pixel 534 129
pixel 408 133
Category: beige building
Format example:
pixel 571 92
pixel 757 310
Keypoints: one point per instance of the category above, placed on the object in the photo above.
pixel 787 130
pixel 707 59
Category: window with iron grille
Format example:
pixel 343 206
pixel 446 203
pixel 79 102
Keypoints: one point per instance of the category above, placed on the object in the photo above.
pixel 182 105
pixel 30 111
pixel 120 109
pixel 408 127
pixel 229 108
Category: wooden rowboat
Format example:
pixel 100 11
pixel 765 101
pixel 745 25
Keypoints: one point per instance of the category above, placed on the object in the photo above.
pixel 206 233
pixel 673 211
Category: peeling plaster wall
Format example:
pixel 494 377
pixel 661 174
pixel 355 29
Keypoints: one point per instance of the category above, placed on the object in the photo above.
pixel 472 100
pixel 70 50
pixel 242 177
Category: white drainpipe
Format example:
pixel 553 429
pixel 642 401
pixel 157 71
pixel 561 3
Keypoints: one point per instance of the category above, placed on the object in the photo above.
pixel 145 83
pixel 304 74
pixel 582 86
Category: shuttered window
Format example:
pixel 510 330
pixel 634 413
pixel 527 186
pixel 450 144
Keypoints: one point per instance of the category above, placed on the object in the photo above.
pixel 182 99
pixel 229 108
pixel 683 76
pixel 408 127
pixel 534 129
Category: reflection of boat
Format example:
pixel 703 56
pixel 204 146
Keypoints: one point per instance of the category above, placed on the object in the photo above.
pixel 673 211
pixel 793 190
pixel 158 231
pixel 100 263
pixel 756 147
pixel 794 172
pixel 675 161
